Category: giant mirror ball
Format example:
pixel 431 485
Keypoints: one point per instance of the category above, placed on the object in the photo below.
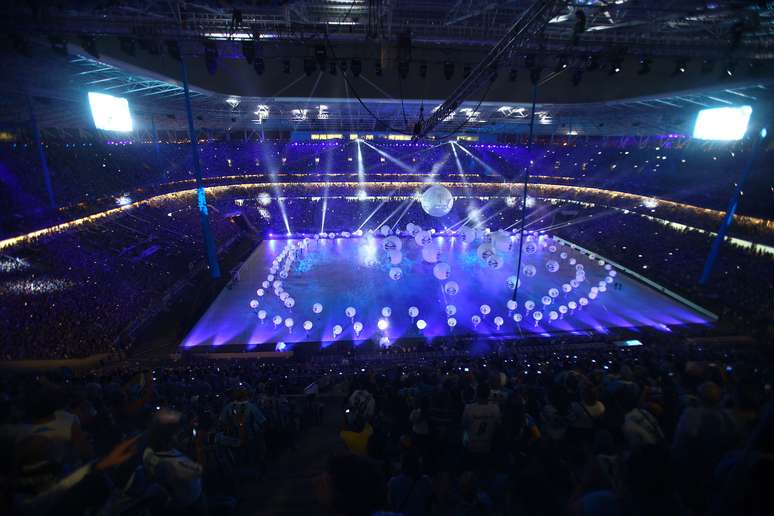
pixel 437 201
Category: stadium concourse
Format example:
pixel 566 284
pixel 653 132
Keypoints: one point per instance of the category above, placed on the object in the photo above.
pixel 360 258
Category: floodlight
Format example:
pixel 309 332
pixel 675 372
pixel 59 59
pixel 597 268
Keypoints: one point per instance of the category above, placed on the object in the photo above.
pixel 110 113
pixel 725 123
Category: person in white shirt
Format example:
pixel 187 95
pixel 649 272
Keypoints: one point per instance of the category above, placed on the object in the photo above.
pixel 480 421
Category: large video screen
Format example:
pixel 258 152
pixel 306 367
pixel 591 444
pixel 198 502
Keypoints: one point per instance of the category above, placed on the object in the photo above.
pixel 110 113
pixel 725 123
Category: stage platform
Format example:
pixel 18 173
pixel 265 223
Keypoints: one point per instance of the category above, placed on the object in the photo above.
pixel 354 272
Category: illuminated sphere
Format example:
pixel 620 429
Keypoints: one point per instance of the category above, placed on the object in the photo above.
pixel 608 267
pixel 392 243
pixel 423 238
pixel 583 301
pixel 546 300
pixel 265 284
pixel 553 292
pixel 574 283
pixel 395 257
pixel 290 302
pixel 562 309
pixel 289 322
pixel 609 279
pixel 517 318
pixel 529 271
pixel 337 330
pixel 383 324
pixel 317 308
pixel 467 234
pixel 579 267
pixel 350 311
pixel 530 248
pixel 552 266
pixel 451 288
pixel 613 273
pixel 529 304
pixel 413 311
pixel 385 230
pixel 502 241
pixel 358 327
pixel 441 271
pixel 451 310
pixel 396 273
pixel 494 262
pixel 253 304
pixel 277 320
pixel 262 314
pixel 592 295
pixel 603 288
pixel 476 320
pixel 511 304
pixel 572 305
pixel 553 315
pixel 563 255
pixel 280 347
pixel 485 251
pixel 421 324
pixel 260 292
pixel 452 322
pixel 431 254
pixel 283 296
pixel 573 261
pixel 308 325
pixel 283 274
pixel 485 309
pixel 386 311
pixel 537 315
pixel 511 282
pixel 437 201
pixel 566 288
pixel 498 321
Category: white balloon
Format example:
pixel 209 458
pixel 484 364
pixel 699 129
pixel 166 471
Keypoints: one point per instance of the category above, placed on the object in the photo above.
pixel 609 279
pixel 562 309
pixel 546 300
pixel 485 309
pixel 563 255
pixel 437 201
pixel 386 311
pixel 413 311
pixel 395 257
pixel 253 304
pixel 566 288
pixel 308 325
pixel 385 230
pixel 265 284
pixel 583 301
pixel 415 230
pixel 553 292
pixel 260 292
pixel 529 304
pixel 441 271
pixel 396 273
pixel 350 311
pixel 608 267
pixel 290 302
pixel 529 270
pixel 452 322
pixel 573 261
pixel 517 317
pixel 283 296
pixel 289 322
pixel 392 243
pixel 431 254
pixel 537 315
pixel 451 310
pixel 317 308
pixel 553 315
pixel 467 234
pixel 358 327
pixel 498 321
pixel 572 305
pixel 552 266
pixel 485 251
pixel 502 242
pixel 530 248
pixel 277 320
pixel 511 282
pixel 451 288
pixel 613 273
pixel 283 275
pixel 476 320
pixel 511 305
pixel 423 238
pixel 494 262
pixel 261 314
pixel 421 324
pixel 337 330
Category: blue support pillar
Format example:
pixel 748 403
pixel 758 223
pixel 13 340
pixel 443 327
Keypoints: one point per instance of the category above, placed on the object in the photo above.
pixel 41 155
pixel 201 197
pixel 729 217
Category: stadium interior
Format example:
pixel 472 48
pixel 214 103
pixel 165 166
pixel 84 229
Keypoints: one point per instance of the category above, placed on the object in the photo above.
pixel 387 257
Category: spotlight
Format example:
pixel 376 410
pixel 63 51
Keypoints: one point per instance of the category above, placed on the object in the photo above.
pixel 730 69
pixel 448 70
pixel 577 77
pixel 513 74
pixel 259 66
pixel 561 64
pixel 681 65
pixel 173 49
pixel 615 66
pixel 248 50
pixel 644 68
pixel 308 66
pixel 58 45
pixel 127 46
pixel 286 66
pixel 89 45
pixel 211 56
pixel 356 66
pixel 423 70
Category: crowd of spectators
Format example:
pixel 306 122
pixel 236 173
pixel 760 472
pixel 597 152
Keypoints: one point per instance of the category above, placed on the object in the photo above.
pixel 667 428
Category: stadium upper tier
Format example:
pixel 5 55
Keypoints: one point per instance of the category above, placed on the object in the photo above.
pixel 90 177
